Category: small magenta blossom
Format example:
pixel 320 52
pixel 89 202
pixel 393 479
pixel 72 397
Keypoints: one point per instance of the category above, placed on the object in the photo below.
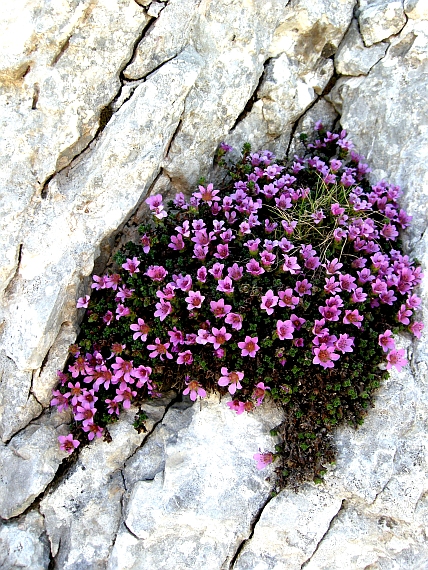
pixel 325 355
pixel 219 309
pixel 159 349
pixel 122 311
pixel 156 273
pixel 353 318
pixel 269 300
pixel 403 315
pixel 303 287
pixel 219 337
pixel 291 265
pixel 194 389
pixel 396 358
pixel 68 443
pixel 93 430
pixel 185 357
pixel 207 194
pixel 386 341
pixel 234 320
pixel 284 329
pixel 260 393
pixel 254 268
pixel 225 286
pixel 416 328
pixel 146 243
pixel 286 299
pixel 163 309
pixel 237 406
pixel 141 330
pixel 83 302
pixel 249 347
pixel 131 265
pixel 194 300
pixel 60 400
pixel 344 343
pixel 230 379
pixel 235 272
pixel 263 459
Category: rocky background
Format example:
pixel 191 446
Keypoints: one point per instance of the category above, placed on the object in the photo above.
pixel 105 101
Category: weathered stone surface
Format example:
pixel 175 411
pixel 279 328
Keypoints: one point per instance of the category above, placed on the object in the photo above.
pixel 194 491
pixel 380 19
pixel 29 463
pixel 48 114
pixel 77 215
pixel 353 57
pixel 83 512
pixel 296 74
pixel 416 9
pixel 24 544
pixel 165 39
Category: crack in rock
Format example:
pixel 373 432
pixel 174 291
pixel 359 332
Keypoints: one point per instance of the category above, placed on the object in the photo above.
pixel 341 508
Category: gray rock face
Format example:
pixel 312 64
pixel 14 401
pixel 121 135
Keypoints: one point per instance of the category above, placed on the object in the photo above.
pixel 201 72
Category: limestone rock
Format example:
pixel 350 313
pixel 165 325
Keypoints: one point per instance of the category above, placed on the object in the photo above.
pixel 155 8
pixel 416 9
pixel 380 19
pixel 23 543
pixel 83 512
pixel 195 496
pixel 353 57
pixel 296 75
pixel 28 464
pixel 77 215
pixel 60 68
pixel 165 39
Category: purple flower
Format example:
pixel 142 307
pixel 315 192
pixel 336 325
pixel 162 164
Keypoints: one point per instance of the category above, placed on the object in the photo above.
pixel 219 337
pixel 219 308
pixel 269 301
pixel 99 282
pixel 122 311
pixel 83 302
pixel 332 267
pixel 403 315
pixel 163 309
pixel 236 405
pixel 325 355
pixel 146 243
pixel 249 347
pixel 396 358
pixel 234 320
pixel 230 379
pixel 131 265
pixel 291 265
pixel 235 272
pixel 263 459
pixel 177 243
pixel 389 232
pixel 225 285
pixel 185 357
pixel 284 329
pixel 201 274
pixel 353 318
pixel 416 328
pixel 194 300
pixel 303 287
pixel 156 273
pixel 253 267
pixel 207 194
pixel 386 341
pixel 217 270
pixel 194 389
pixel 286 299
pixel 344 343
pixel 67 443
pixel 260 393
pixel 159 349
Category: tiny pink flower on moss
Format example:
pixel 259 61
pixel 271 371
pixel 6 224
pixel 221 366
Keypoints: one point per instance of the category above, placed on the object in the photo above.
pixel 146 243
pixel 291 265
pixel 249 347
pixel 231 379
pixel 122 311
pixel 286 299
pixel 219 337
pixel 108 318
pixel 403 315
pixel 353 318
pixel 237 406
pixel 284 329
pixel 396 358
pixel 194 389
pixel 60 400
pixel 93 430
pixel 194 300
pixel 269 300
pixel 68 443
pixel 159 349
pixel 141 330
pixel 260 393
pixel 234 320
pixel 386 341
pixel 156 273
pixel 324 356
pixel 254 268
pixel 131 265
pixel 344 343
pixel 219 308
pixel 185 357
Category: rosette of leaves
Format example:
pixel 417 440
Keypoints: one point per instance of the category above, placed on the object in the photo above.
pixel 287 282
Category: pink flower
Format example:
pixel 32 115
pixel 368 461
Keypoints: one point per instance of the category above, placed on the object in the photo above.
pixel 330 313
pixel 123 368
pixel 284 329
pixel 125 395
pixel 403 315
pixel 225 286
pixel 219 308
pixel 185 357
pixel 286 299
pixel 249 347
pixel 67 443
pixel 163 309
pixel 344 343
pixel 99 282
pixel 177 243
pixel 83 302
pixel 146 243
pixel 254 268
pixel 203 336
pixel 156 272
pixel 194 300
pixel 386 341
pixel 332 267
pixel 207 194
pixel 122 311
pixel 235 272
pixel 219 337
pixel 131 265
pixel 416 328
pixel 108 317
pixel 396 358
pixel 303 287
pixel 201 274
pixel 60 400
pixel 142 373
pixel 291 265
pixel 231 379
pixel 194 389
pixel 85 413
pixel 263 459
pixel 353 318
pixel 93 430
pixel 142 330
pixel 269 301
pixel 234 320
pixel 324 355
pixel 217 270
pixel 236 405
pixel 159 349
pixel 260 393
pixel 222 251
